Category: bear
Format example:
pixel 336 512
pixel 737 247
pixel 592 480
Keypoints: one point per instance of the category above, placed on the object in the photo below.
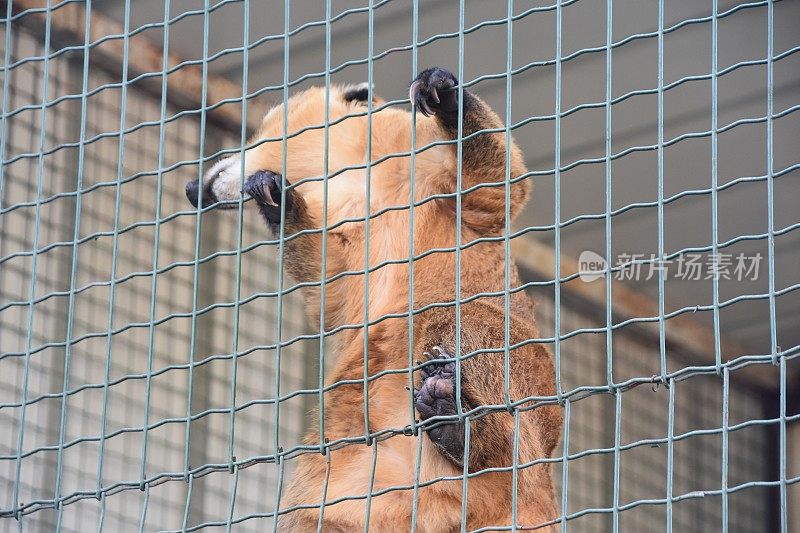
pixel 403 434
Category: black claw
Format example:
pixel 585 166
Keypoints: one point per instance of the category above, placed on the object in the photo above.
pixel 435 95
pixel 432 92
pixel 265 188
pixel 425 108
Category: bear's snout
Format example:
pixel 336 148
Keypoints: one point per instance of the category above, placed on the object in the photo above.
pixel 193 194
pixel 221 185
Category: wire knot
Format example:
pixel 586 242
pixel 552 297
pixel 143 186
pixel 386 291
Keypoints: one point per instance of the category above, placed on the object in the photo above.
pixel 657 381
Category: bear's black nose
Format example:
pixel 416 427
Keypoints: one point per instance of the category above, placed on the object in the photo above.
pixel 192 189
pixel 193 192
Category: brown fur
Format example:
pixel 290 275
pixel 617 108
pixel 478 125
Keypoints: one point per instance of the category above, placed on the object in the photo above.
pixel 482 321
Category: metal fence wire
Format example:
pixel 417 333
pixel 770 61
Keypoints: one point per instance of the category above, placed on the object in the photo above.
pixel 156 367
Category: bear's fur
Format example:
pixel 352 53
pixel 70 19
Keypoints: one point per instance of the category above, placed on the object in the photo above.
pixel 346 473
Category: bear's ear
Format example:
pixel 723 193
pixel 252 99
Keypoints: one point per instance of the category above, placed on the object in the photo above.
pixel 357 93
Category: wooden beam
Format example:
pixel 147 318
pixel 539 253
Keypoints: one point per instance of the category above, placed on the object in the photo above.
pixel 184 85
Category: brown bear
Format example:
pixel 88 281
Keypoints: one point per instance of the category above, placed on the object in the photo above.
pixel 415 429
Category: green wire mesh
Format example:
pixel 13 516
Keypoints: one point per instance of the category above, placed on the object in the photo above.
pixel 157 368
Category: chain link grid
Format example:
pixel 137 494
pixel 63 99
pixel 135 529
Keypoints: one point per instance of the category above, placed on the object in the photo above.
pixel 52 132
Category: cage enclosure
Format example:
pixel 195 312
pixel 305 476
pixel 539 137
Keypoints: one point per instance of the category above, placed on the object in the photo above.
pixel 157 369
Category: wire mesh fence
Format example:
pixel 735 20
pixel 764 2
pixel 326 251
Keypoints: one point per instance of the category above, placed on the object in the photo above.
pixel 157 370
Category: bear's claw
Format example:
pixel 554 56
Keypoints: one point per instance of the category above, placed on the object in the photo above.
pixel 436 397
pixel 433 93
pixel 265 188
